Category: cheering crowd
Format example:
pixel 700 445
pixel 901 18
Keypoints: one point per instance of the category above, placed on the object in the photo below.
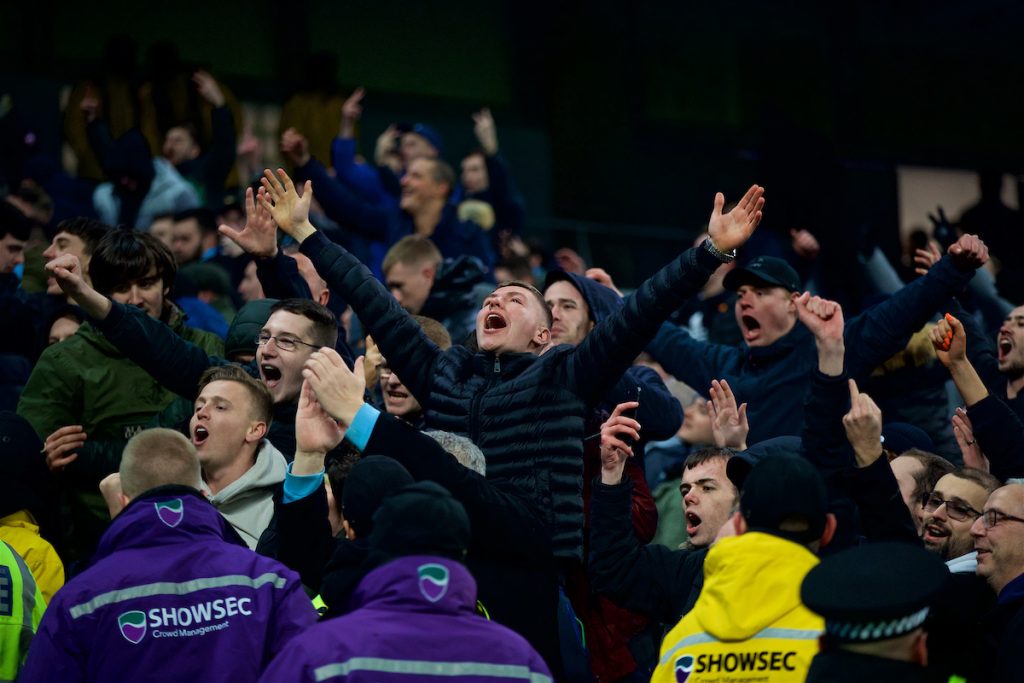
pixel 345 422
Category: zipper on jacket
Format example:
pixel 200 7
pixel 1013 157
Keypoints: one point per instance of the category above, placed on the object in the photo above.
pixel 474 408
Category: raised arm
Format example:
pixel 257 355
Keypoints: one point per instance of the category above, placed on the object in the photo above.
pixel 649 579
pixel 173 362
pixel 399 337
pixel 822 438
pixel 993 424
pixel 220 157
pixel 602 357
pixel 339 203
pixel 883 330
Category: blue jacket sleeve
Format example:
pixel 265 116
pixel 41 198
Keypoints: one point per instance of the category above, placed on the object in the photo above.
pixel 608 351
pixel 692 362
pixel 823 440
pixel 883 330
pixel 362 179
pixel 280 278
pixel 344 207
pixel 399 337
pixel 999 433
pixel 508 207
pixel 660 414
pixel 173 362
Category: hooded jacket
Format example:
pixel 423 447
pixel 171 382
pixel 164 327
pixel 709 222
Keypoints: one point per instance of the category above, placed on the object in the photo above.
pixel 525 412
pixel 169 594
pixel 248 502
pixel 168 193
pixel 748 620
pixel 413 620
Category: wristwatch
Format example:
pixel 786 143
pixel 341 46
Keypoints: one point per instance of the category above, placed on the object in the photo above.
pixel 723 256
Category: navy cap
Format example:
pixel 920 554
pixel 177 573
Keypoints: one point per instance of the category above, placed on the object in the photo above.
pixel 430 135
pixel 764 270
pixel 874 591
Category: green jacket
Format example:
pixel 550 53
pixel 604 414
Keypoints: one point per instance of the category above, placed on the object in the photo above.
pixel 86 381
pixel 21 609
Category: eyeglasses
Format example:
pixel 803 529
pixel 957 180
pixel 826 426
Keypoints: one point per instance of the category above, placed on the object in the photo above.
pixel 283 343
pixel 992 518
pixel 954 508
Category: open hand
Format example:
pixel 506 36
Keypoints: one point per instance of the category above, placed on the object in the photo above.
pixel 315 430
pixel 485 131
pixel 338 389
pixel 963 430
pixel 208 88
pixel 259 236
pixel 728 422
pixel 732 230
pixel 284 204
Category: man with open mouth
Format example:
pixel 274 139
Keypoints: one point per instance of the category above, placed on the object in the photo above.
pixel 524 410
pixel 772 370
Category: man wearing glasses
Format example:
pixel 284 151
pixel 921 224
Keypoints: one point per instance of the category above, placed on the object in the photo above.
pixel 948 513
pixel 999 540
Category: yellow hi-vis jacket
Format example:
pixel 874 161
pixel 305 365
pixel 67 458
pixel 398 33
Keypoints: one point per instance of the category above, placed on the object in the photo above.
pixel 748 624
pixel 21 609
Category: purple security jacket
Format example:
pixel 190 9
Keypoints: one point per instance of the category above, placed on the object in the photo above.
pixel 413 619
pixel 169 596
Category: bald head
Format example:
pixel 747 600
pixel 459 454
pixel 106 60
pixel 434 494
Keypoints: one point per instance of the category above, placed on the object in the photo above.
pixel 158 457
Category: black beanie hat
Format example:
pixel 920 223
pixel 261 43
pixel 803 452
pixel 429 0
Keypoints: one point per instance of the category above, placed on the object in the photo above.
pixel 370 481
pixel 420 519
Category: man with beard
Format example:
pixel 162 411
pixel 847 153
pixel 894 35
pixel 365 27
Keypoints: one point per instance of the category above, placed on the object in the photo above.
pixel 949 513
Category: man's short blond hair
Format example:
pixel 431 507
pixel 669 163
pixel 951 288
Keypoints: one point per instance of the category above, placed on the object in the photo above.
pixel 412 250
pixel 158 457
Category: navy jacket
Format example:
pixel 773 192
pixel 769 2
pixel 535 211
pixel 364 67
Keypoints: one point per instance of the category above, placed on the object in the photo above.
pixel 383 223
pixel 525 412
pixel 773 380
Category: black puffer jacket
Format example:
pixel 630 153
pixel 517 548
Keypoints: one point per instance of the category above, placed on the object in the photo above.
pixel 524 412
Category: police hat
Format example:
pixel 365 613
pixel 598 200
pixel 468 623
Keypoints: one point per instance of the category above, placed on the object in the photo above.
pixel 875 591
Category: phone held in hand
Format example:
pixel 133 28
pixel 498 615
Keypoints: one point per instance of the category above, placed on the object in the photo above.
pixel 632 395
